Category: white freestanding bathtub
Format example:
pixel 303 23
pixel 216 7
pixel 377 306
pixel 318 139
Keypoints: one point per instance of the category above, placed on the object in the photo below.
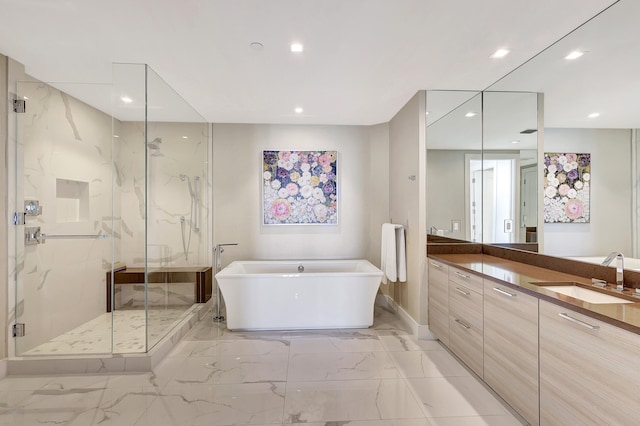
pixel 287 295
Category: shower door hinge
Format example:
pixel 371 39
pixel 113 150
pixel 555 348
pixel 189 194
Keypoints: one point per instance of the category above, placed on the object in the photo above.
pixel 19 106
pixel 19 218
pixel 18 329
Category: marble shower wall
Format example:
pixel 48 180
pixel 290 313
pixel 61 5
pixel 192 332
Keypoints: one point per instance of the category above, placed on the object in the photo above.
pixel 174 149
pixel 64 162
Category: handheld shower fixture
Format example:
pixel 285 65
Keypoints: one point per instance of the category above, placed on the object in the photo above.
pixel 184 177
pixel 193 213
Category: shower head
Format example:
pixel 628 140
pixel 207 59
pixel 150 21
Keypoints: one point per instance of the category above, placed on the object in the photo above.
pixel 155 144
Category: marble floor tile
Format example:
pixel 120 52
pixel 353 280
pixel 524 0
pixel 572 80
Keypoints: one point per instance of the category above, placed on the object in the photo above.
pixel 391 422
pixel 380 376
pixel 387 322
pixel 339 333
pixel 341 366
pixel 125 330
pixel 231 370
pixel 455 397
pixel 427 364
pixel 220 405
pixel 237 347
pixel 394 422
pixel 341 401
pixel 400 342
pixel 9 400
pixel 475 421
pixel 364 343
pixel 16 383
pixel 57 406
pixel 124 406
pixel 76 381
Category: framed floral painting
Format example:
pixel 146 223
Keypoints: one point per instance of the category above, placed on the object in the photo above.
pixel 567 182
pixel 299 187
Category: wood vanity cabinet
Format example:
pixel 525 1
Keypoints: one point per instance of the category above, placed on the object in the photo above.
pixel 439 300
pixel 589 370
pixel 511 347
pixel 466 318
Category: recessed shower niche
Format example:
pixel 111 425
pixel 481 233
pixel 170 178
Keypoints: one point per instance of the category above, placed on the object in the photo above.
pixel 72 201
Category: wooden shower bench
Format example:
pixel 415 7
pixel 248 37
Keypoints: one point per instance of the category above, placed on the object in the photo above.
pixel 202 277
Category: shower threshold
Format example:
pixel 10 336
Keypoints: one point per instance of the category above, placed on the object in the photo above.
pixel 87 349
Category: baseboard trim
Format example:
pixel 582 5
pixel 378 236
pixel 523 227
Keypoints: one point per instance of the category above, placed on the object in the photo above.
pixel 418 330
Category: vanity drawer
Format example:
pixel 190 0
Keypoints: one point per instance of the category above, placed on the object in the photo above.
pixel 471 281
pixel 466 341
pixel 466 305
pixel 466 336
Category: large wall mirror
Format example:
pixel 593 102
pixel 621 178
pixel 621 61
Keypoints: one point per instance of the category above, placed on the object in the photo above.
pixel 454 137
pixel 591 106
pixel 482 166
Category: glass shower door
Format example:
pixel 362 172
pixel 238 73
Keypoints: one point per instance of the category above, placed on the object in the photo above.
pixel 63 201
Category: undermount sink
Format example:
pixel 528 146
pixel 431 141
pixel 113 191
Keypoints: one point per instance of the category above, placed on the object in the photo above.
pixel 584 294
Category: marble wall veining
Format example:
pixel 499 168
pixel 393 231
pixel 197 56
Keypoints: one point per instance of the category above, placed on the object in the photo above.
pixel 90 182
pixel 65 164
pixel 174 149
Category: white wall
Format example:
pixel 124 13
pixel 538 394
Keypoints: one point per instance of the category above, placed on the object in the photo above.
pixel 237 179
pixel 379 188
pixel 407 191
pixel 610 226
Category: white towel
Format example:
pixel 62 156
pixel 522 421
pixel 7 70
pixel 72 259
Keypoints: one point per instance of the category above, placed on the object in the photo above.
pixel 393 259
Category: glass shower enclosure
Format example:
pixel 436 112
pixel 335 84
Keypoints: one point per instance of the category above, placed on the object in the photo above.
pixel 111 192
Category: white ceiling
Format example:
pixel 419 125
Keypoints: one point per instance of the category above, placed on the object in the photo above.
pixel 363 59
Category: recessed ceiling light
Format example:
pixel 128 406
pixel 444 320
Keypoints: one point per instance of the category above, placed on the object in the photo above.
pixel 299 110
pixel 574 55
pixel 256 45
pixel 470 114
pixel 594 115
pixel 516 141
pixel 126 99
pixel 500 53
pixel 185 137
pixel 297 47
pixel 116 136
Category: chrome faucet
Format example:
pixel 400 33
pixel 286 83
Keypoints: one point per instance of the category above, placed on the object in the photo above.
pixel 619 268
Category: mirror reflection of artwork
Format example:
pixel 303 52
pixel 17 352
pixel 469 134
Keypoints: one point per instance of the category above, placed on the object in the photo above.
pixel 567 182
pixel 299 187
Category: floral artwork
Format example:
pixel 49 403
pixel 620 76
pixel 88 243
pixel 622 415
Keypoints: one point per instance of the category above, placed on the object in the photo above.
pixel 299 187
pixel 567 179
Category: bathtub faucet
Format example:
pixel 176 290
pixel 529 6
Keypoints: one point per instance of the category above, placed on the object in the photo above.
pixel 220 247
pixel 217 259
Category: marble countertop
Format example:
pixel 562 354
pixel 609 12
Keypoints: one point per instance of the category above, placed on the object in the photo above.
pixel 522 277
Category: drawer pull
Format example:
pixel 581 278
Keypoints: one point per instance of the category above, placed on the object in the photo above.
pixel 463 291
pixel 462 323
pixel 577 321
pixel 506 293
pixel 434 264
pixel 460 274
